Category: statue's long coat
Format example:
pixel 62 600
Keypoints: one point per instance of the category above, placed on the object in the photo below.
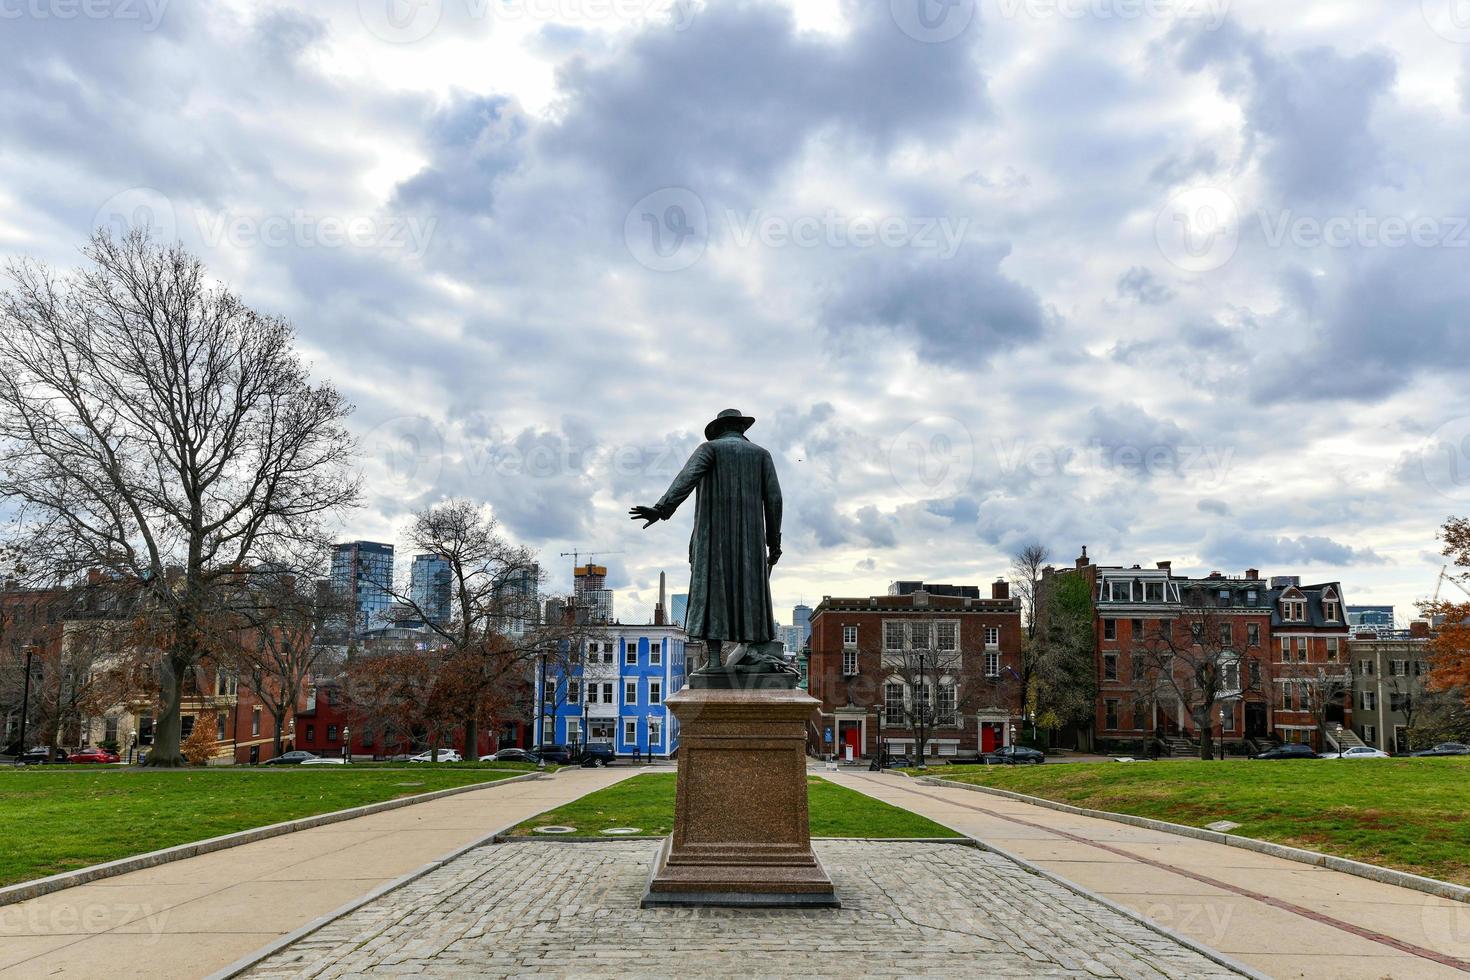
pixel 737 515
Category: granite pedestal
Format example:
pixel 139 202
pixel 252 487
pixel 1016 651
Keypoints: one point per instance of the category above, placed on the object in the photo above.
pixel 740 815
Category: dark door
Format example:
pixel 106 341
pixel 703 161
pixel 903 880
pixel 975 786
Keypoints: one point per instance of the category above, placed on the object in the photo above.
pixel 1255 719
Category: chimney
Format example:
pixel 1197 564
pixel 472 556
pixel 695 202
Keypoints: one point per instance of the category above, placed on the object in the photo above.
pixel 1166 566
pixel 1419 629
pixel 1082 561
pixel 1000 589
pixel 660 617
pixel 1253 574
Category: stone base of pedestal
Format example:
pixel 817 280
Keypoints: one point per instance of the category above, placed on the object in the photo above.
pixel 740 835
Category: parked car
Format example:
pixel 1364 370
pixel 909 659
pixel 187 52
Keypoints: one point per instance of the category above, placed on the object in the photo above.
pixel 1444 748
pixel 510 755
pixel 443 755
pixel 598 754
pixel 557 754
pixel 42 756
pixel 1014 755
pixel 325 760
pixel 894 761
pixel 294 758
pixel 1357 752
pixel 1291 750
pixel 94 756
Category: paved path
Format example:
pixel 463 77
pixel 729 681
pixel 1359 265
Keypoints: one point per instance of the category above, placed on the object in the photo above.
pixel 192 917
pixel 569 909
pixel 1280 917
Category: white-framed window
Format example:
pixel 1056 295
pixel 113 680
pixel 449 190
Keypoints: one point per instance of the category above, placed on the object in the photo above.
pixel 893 704
pixel 574 692
pixel 947 704
pixel 893 634
pixel 630 731
pixel 992 663
pixel 1121 590
pixel 919 638
pixel 992 635
pixel 1332 648
pixel 549 691
pixel 947 635
pixel 1398 668
pixel 849 636
pixel 1153 592
pixel 1227 720
pixel 607 693
pixel 655 732
pixel 630 653
pixel 630 692
pixel 574 730
pixel 1110 629
pixel 655 654
pixel 1365 668
pixel 1370 701
pixel 255 721
pixel 1370 734
pixel 655 692
pixel 849 662
pixel 1285 649
pixel 1252 634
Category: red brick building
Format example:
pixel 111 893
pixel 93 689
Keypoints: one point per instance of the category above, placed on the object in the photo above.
pixel 876 661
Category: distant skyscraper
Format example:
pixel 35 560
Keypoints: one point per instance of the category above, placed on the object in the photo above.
pixel 678 608
pixel 520 599
pixel 592 593
pixel 801 618
pixel 362 573
pixel 1379 616
pixel 428 587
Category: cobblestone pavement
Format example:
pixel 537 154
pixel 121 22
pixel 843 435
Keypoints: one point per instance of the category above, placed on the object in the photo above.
pixel 571 909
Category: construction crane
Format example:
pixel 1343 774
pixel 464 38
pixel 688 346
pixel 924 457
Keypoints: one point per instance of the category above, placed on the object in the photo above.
pixel 1445 576
pixel 577 556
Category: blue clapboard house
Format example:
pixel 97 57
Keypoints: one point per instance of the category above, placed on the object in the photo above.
pixel 615 692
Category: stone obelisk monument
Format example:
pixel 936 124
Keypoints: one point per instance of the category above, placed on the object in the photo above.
pixel 740 814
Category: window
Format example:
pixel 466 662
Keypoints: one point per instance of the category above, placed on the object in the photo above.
pixel 1331 607
pixel 574 730
pixel 1301 648
pixel 1370 701
pixel 1252 634
pixel 1398 701
pixel 1230 675
pixel 1227 719
pixel 655 654
pixel 892 636
pixel 1110 629
pixel 630 653
pixel 1110 667
pixel 1140 664
pixel 655 692
pixel 1365 668
pixel 607 693
pixel 219 728
pixel 574 692
pixel 255 722
pixel 947 636
pixel 1255 674
pixel 1153 592
pixel 992 663
pixel 849 662
pixel 655 732
pixel 630 731
pixel 145 729
pixel 947 704
pixel 992 636
pixel 849 636
pixel 1227 635
pixel 1420 668
pixel 1111 708
pixel 630 692
pixel 1197 632
pixel 1370 734
pixel 1250 597
pixel 1140 715
pixel 607 653
pixel 919 638
pixel 1137 625
pixel 1287 690
pixel 310 733
pixel 331 733
pixel 893 704
pixel 1285 649
pixel 1121 591
pixel 1398 668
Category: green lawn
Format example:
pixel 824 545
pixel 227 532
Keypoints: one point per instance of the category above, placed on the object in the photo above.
pixel 62 819
pixel 647 802
pixel 1409 814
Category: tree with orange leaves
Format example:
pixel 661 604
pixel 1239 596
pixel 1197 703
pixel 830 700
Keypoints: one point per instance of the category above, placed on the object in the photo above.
pixel 1450 648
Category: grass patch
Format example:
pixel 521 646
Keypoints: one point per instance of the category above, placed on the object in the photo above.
pixel 647 802
pixel 60 820
pixel 1409 814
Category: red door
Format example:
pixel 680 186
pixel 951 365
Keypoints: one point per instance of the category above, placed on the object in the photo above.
pixel 989 737
pixel 851 732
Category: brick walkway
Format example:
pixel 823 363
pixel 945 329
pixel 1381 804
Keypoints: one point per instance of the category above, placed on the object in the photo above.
pixel 568 909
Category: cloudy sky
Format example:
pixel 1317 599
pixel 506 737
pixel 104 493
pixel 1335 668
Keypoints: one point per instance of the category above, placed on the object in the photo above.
pixel 1176 280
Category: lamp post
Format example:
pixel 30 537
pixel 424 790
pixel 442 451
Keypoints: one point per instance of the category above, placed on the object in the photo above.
pixel 25 703
pixel 347 743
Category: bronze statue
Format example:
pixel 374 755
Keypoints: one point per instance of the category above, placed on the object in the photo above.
pixel 736 541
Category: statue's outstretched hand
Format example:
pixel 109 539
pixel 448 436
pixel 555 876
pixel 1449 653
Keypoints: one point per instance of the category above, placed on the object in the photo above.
pixel 647 514
pixel 773 556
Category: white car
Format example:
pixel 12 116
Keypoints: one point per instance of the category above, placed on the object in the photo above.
pixel 445 755
pixel 326 760
pixel 1358 752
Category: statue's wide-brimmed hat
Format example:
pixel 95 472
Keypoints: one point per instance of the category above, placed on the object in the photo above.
pixel 729 419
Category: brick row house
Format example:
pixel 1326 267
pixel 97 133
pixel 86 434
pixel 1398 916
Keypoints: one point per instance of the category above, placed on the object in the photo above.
pixel 1279 651
pixel 1390 667
pixel 936 660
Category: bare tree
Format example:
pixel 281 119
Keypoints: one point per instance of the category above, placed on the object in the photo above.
pixel 1026 572
pixel 942 680
pixel 154 426
pixel 1194 661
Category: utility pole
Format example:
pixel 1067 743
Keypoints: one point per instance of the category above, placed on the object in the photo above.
pixel 25 701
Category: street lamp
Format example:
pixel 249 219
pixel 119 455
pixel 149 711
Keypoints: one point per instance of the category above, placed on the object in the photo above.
pixel 25 703
pixel 347 743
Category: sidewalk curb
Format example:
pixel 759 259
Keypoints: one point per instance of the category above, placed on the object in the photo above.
pixel 1372 872
pixel 26 890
